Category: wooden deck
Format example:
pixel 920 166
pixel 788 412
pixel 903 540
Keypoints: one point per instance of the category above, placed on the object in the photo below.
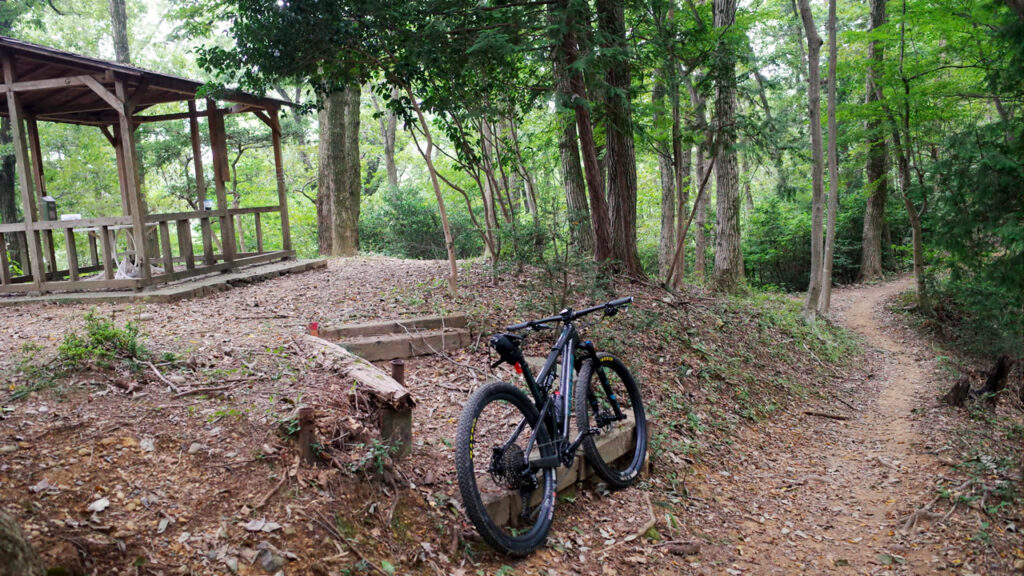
pixel 192 288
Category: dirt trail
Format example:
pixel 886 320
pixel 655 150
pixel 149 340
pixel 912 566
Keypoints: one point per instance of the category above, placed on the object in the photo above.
pixel 819 495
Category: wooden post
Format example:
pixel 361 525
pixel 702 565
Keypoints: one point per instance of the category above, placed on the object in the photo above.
pixel 197 153
pixel 185 244
pixel 35 151
pixel 165 247
pixel 218 145
pixel 282 190
pixel 259 234
pixel 94 257
pixel 396 424
pixel 69 241
pixel 307 434
pixel 126 208
pixel 28 200
pixel 5 271
pixel 108 252
pixel 131 180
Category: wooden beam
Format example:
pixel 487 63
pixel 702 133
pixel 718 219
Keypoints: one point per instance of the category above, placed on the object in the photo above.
pixel 282 189
pixel 131 179
pixel 118 138
pixel 263 116
pixel 115 102
pixel 109 135
pixel 48 84
pixel 16 113
pixel 259 232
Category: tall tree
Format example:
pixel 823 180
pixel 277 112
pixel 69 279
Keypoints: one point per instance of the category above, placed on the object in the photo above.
pixel 704 144
pixel 824 299
pixel 901 140
pixel 666 170
pixel 817 182
pixel 620 153
pixel 574 17
pixel 340 186
pixel 119 25
pixel 728 271
pixel 876 171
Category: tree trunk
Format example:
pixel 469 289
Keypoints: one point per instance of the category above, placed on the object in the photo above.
pixel 339 182
pixel 817 184
pixel 875 168
pixel 488 193
pixel 9 199
pixel 390 131
pixel 588 146
pixel 620 155
pixel 577 210
pixel 728 272
pixel 581 234
pixel 700 220
pixel 824 300
pixel 119 24
pixel 666 169
pixel 781 175
pixel 428 156
pixel 681 156
pixel 903 155
pixel 17 556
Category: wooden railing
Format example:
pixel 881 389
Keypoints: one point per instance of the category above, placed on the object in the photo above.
pixel 85 254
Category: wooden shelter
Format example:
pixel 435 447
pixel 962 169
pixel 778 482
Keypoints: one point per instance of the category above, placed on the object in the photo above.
pixel 44 84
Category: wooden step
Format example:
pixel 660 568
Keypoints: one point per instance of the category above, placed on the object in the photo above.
pixel 404 326
pixel 394 346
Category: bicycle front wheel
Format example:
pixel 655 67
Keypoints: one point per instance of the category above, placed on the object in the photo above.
pixel 509 501
pixel 609 405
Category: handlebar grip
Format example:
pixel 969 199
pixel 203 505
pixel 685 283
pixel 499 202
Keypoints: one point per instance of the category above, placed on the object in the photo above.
pixel 515 327
pixel 620 301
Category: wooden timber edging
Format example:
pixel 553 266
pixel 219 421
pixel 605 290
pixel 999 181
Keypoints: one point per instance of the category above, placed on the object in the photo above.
pixel 405 338
pixel 503 507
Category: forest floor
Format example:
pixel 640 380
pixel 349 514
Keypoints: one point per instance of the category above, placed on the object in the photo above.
pixel 188 465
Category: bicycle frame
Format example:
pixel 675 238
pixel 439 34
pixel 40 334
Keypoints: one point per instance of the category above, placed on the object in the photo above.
pixel 556 408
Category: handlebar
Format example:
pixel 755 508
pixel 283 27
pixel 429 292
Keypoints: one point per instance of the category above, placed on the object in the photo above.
pixel 568 315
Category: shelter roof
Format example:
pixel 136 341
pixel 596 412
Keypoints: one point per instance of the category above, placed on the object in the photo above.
pixel 60 86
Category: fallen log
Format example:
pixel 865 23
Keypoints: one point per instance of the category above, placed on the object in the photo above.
pixel 366 376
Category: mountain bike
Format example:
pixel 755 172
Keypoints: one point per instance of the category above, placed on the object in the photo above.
pixel 509 446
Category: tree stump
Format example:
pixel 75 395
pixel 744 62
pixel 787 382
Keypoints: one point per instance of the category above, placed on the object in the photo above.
pixel 995 383
pixel 17 556
pixel 959 393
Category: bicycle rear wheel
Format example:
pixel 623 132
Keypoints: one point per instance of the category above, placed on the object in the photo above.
pixel 490 458
pixel 608 400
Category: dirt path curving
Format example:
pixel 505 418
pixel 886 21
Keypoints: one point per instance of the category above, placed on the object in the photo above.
pixel 819 495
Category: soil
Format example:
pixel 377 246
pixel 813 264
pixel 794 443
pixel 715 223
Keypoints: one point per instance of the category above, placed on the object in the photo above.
pixel 200 476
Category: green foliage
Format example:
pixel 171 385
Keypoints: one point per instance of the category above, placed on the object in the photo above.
pixel 103 344
pixel 977 227
pixel 406 224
